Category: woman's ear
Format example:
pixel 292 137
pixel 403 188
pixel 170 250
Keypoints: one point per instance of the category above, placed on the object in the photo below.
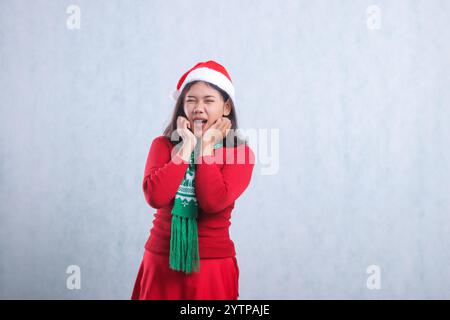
pixel 227 108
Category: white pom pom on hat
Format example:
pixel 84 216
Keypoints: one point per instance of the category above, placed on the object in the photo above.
pixel 209 71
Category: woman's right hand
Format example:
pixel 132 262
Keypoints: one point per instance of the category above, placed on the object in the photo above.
pixel 183 129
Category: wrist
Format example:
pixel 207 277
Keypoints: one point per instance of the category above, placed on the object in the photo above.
pixel 186 151
pixel 207 149
pixel 189 144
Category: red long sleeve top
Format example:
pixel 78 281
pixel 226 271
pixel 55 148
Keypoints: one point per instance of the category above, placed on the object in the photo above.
pixel 219 180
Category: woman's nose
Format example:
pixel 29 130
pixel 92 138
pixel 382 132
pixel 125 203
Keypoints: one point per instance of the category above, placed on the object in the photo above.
pixel 198 109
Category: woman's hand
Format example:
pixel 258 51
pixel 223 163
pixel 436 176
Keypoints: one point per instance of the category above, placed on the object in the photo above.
pixel 216 133
pixel 189 139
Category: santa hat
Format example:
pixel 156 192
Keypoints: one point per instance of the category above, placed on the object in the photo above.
pixel 209 71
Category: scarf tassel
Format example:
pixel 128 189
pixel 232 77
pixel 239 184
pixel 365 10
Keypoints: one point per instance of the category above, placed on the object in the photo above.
pixel 184 255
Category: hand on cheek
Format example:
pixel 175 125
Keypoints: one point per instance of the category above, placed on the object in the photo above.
pixel 217 132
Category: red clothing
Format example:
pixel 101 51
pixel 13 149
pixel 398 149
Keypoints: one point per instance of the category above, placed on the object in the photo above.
pixel 218 279
pixel 219 180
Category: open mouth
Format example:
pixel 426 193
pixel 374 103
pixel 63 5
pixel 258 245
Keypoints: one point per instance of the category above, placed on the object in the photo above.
pixel 199 124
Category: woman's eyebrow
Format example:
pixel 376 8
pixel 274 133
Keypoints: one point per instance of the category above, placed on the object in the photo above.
pixel 209 96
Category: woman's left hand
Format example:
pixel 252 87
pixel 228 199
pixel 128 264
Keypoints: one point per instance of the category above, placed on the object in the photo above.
pixel 217 132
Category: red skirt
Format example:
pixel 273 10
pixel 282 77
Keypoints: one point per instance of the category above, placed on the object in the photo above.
pixel 218 279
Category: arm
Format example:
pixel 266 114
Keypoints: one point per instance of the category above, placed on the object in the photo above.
pixel 217 189
pixel 163 175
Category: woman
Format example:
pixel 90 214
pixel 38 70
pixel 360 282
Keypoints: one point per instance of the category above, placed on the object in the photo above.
pixel 194 184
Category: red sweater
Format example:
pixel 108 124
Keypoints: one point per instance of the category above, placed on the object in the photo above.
pixel 219 180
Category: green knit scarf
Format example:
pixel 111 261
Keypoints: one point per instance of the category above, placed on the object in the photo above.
pixel 184 253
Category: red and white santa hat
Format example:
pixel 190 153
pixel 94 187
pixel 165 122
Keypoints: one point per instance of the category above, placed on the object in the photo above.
pixel 209 71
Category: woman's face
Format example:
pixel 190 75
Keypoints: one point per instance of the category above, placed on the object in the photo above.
pixel 203 105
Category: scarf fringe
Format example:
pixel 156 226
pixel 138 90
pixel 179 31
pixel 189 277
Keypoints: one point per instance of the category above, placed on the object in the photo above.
pixel 184 255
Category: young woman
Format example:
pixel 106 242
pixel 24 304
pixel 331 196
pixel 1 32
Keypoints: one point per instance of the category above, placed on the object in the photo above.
pixel 193 184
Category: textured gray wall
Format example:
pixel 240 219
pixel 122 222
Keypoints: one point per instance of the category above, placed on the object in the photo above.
pixel 364 157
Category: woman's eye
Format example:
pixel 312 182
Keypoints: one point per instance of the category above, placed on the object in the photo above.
pixel 210 101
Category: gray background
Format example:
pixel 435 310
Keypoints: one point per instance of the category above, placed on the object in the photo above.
pixel 364 142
